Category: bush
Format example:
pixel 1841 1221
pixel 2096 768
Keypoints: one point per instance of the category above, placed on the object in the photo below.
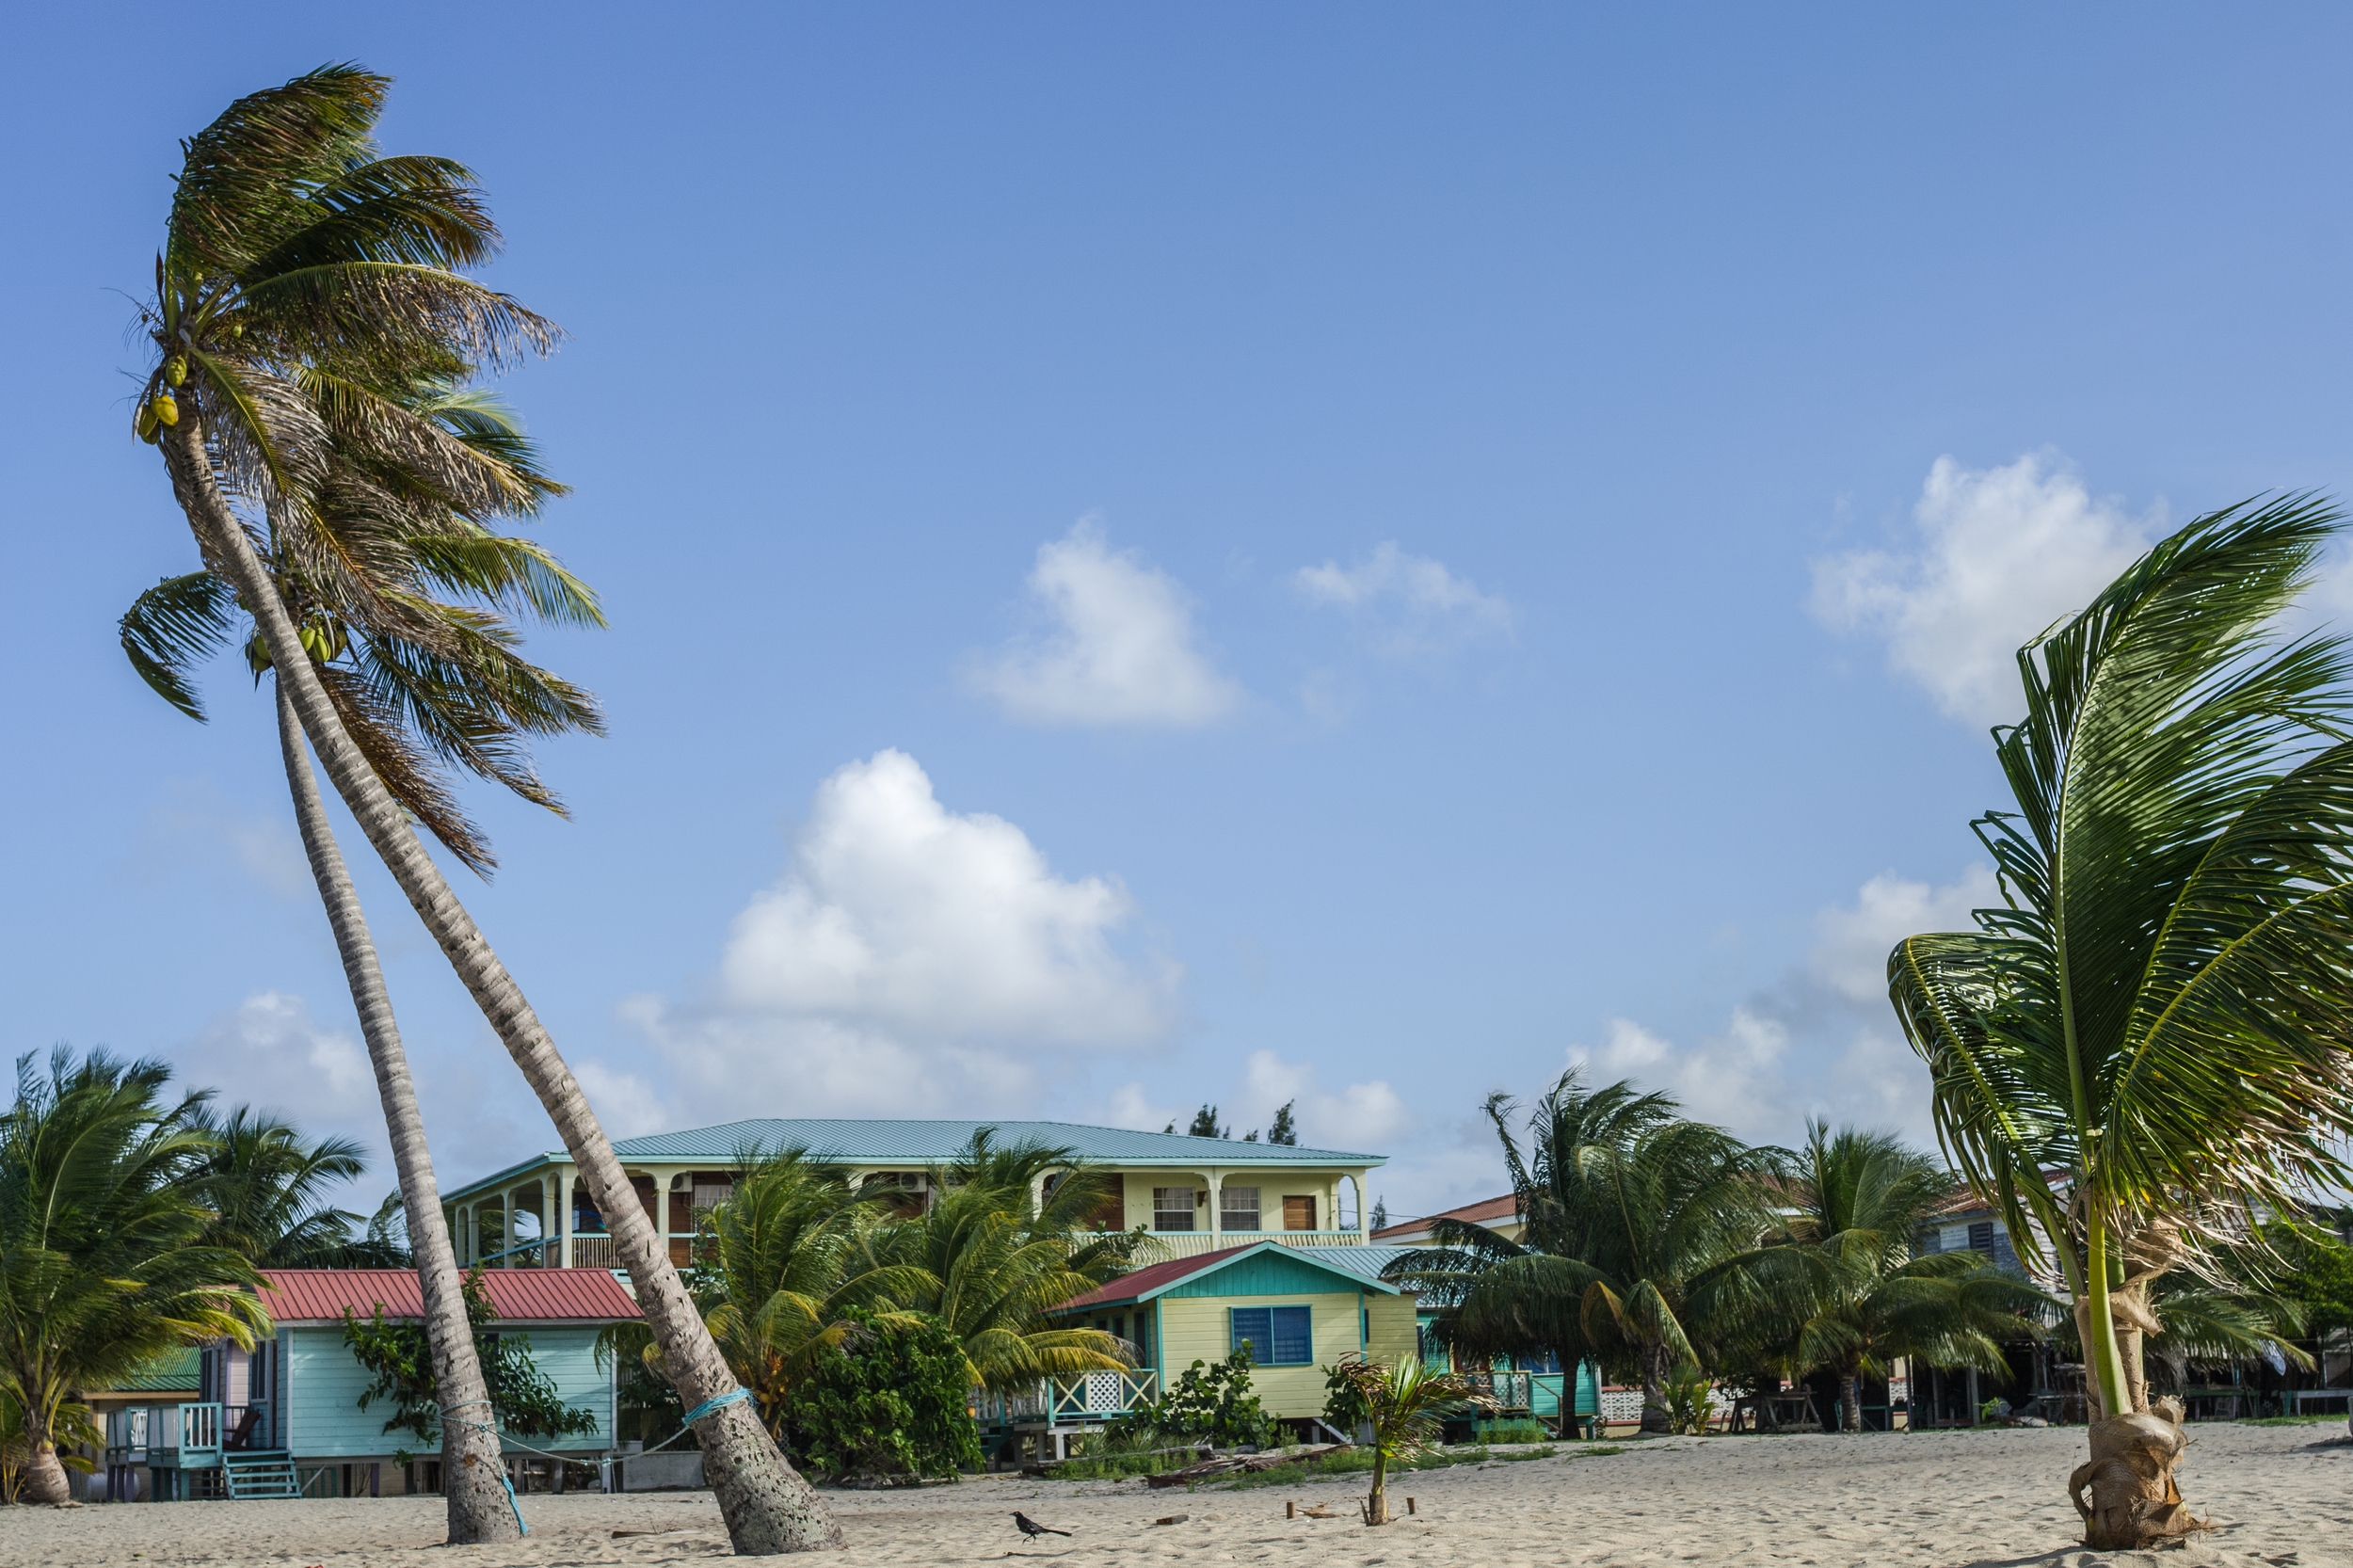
pixel 1209 1403
pixel 1520 1430
pixel 889 1403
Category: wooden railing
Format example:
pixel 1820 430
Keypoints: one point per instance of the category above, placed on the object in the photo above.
pixel 593 1252
pixel 1191 1243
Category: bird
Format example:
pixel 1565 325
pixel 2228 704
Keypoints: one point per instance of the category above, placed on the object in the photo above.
pixel 1032 1528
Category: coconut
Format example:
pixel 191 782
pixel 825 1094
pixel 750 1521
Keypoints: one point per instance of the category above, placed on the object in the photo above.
pixel 166 407
pixel 176 369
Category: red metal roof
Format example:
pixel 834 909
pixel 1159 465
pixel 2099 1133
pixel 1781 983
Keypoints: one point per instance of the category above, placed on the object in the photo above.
pixel 1127 1288
pixel 521 1295
pixel 1485 1213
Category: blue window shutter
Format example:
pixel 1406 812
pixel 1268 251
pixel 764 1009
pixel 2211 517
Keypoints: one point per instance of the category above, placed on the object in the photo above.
pixel 1291 1337
pixel 1251 1327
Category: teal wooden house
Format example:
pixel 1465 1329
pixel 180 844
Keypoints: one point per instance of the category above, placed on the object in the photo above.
pixel 284 1419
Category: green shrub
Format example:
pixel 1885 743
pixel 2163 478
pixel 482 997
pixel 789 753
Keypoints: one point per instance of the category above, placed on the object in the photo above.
pixel 1210 1403
pixel 887 1404
pixel 1519 1431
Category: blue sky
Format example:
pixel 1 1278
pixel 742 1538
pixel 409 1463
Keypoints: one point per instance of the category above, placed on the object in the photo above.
pixel 1350 553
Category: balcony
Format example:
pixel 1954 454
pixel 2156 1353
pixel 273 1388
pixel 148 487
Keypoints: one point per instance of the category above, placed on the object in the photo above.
pixel 1192 1243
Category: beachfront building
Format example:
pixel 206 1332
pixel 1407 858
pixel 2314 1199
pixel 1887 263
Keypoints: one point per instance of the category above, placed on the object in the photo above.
pixel 1195 1195
pixel 1500 1215
pixel 283 1419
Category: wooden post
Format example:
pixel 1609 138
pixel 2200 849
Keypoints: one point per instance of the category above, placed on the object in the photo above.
pixel 1290 1511
pixel 1409 1505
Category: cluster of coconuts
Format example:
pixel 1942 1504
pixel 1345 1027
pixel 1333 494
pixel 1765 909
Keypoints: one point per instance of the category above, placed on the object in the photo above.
pixel 163 409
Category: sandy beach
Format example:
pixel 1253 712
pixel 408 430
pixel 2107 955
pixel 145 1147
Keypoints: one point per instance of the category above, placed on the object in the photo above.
pixel 2281 1496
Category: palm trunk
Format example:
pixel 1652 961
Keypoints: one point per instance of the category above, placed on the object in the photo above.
pixel 1377 1504
pixel 44 1472
pixel 1850 1401
pixel 478 1508
pixel 1657 1361
pixel 768 1507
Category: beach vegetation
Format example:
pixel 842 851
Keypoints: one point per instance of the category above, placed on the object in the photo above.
pixel 1407 1407
pixel 2142 1052
pixel 884 1402
pixel 1209 1402
pixel 104 1262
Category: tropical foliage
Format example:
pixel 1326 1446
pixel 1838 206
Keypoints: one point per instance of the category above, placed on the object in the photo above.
pixel 885 1401
pixel 2145 1049
pixel 105 1260
pixel 400 1361
pixel 267 1188
pixel 1625 1206
pixel 1209 1402
pixel 1837 1287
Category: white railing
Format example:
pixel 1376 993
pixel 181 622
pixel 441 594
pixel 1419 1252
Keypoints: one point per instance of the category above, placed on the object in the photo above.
pixel 1071 1398
pixel 1191 1243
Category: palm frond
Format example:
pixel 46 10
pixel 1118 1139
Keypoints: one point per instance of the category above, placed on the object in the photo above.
pixel 178 623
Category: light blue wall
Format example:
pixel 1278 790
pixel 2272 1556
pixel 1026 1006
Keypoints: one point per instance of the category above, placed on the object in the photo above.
pixel 324 1381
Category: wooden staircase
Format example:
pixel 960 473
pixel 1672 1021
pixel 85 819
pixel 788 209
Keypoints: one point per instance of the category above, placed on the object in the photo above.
pixel 262 1472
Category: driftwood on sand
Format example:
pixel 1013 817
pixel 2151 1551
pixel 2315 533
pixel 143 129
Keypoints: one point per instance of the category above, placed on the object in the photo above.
pixel 1240 1465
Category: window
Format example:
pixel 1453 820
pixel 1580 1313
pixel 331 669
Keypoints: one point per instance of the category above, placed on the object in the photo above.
pixel 1238 1208
pixel 1277 1335
pixel 1299 1213
pixel 1171 1209
pixel 1981 1237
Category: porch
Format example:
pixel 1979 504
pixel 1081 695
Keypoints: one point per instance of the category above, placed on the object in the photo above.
pixel 1053 1410
pixel 196 1449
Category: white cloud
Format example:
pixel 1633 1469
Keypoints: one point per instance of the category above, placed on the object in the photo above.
pixel 912 959
pixel 2002 555
pixel 268 1052
pixel 1121 650
pixel 1734 1079
pixel 1414 604
pixel 1362 1117
pixel 1850 955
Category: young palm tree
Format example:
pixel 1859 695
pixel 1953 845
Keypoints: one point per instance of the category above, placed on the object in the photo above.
pixel 1837 1287
pixel 298 266
pixel 1407 1406
pixel 1623 1205
pixel 2148 1046
pixel 369 570
pixel 104 1261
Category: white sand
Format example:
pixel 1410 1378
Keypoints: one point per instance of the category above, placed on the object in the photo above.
pixel 1992 1499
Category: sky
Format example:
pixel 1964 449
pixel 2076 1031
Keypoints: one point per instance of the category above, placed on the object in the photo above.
pixel 1356 555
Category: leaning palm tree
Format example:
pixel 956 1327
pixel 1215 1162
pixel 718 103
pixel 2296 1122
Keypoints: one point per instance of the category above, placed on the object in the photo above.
pixel 402 589
pixel 299 262
pixel 2146 1049
pixel 1623 1205
pixel 103 1259
pixel 1837 1287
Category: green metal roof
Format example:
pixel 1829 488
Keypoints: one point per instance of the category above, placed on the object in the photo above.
pixel 918 1143
pixel 172 1370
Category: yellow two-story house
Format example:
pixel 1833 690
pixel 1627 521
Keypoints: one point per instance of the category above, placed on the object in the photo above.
pixel 1194 1195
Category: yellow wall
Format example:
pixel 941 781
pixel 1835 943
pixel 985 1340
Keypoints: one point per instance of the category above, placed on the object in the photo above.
pixel 1273 1187
pixel 1195 1328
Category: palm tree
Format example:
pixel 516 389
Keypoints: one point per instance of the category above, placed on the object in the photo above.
pixel 1012 1231
pixel 2147 1046
pixel 1623 1205
pixel 300 267
pixel 265 1187
pixel 1837 1288
pixel 368 570
pixel 1407 1406
pixel 788 1254
pixel 104 1261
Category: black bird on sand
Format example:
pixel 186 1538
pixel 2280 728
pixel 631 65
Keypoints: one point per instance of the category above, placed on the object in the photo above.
pixel 1032 1528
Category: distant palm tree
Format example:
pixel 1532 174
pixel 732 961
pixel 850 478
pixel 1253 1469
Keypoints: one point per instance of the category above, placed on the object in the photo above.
pixel 1624 1204
pixel 302 269
pixel 2148 1046
pixel 1837 1286
pixel 1010 1234
pixel 104 1260
pixel 266 1190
